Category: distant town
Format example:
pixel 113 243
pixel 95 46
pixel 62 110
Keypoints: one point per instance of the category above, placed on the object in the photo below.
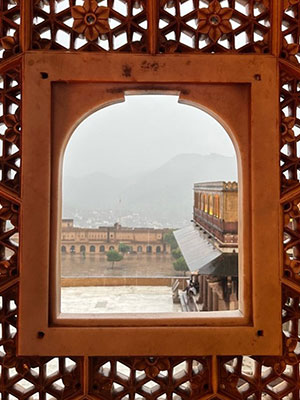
pixel 95 218
pixel 161 198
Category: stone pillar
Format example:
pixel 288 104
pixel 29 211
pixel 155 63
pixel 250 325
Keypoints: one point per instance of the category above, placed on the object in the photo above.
pixel 215 301
pixel 209 299
pixel 233 298
pixel 201 287
pixel 216 286
pixel 205 293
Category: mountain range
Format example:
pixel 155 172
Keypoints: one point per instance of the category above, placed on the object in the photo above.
pixel 164 194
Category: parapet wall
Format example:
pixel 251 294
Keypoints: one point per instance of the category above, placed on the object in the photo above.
pixel 125 281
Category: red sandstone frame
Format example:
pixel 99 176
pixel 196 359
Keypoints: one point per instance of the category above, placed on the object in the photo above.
pixel 242 95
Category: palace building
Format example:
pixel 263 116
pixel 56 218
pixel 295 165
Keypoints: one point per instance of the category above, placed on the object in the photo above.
pixel 210 248
pixel 75 240
pixel 216 211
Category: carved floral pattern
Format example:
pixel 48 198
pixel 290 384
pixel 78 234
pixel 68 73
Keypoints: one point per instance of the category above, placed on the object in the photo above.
pixel 9 28
pixel 286 129
pixel 90 19
pixel 91 26
pixel 289 3
pixel 9 229
pixel 185 26
pixel 152 365
pixel 214 20
pixel 289 51
pixel 186 377
pixel 289 127
pixel 24 377
pixel 243 377
pixel 11 45
pixel 206 29
pixel 10 99
pixel 290 31
pixel 291 240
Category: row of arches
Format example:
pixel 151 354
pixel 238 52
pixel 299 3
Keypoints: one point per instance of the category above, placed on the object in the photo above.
pixel 208 203
pixel 94 249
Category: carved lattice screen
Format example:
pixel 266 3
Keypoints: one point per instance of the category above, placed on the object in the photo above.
pixel 149 26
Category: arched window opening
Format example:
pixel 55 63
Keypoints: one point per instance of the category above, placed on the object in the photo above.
pixel 173 198
pixel 216 206
pixel 205 203
pixel 210 204
pixel 196 196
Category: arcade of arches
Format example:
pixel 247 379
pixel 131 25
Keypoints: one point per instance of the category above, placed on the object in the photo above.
pixel 83 240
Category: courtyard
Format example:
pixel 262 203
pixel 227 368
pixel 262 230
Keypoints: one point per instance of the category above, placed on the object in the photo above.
pixel 118 299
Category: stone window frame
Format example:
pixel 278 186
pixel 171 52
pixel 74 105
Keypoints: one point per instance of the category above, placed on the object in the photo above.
pixel 247 331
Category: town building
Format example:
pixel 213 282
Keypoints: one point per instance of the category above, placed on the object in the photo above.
pixel 210 248
pixel 75 240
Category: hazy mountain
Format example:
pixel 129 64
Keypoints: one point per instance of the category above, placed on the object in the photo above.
pixel 92 191
pixel 164 195
pixel 167 193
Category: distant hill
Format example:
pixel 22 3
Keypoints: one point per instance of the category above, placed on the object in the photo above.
pixel 92 191
pixel 164 194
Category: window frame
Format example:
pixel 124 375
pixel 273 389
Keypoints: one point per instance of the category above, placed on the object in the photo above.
pixel 157 335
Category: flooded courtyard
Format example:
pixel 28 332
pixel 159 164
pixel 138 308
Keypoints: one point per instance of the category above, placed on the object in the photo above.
pixel 118 299
pixel 93 265
pixel 91 284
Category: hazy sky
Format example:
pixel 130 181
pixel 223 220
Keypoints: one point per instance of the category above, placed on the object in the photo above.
pixel 141 134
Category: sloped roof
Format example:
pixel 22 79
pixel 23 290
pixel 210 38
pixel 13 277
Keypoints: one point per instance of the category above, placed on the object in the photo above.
pixel 202 256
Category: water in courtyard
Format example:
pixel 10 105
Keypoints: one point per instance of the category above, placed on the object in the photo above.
pixel 78 265
pixel 118 299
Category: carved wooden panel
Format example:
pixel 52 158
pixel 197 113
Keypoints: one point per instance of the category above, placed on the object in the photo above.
pixel 89 26
pixel 9 235
pixel 289 130
pixel 10 127
pixel 291 240
pixel 267 377
pixel 179 26
pixel 32 377
pixel 150 378
pixel 162 26
pixel 10 20
pixel 214 26
pixel 290 31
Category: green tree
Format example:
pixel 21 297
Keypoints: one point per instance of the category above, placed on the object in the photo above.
pixel 113 256
pixel 124 248
pixel 180 265
pixel 176 253
pixel 170 239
